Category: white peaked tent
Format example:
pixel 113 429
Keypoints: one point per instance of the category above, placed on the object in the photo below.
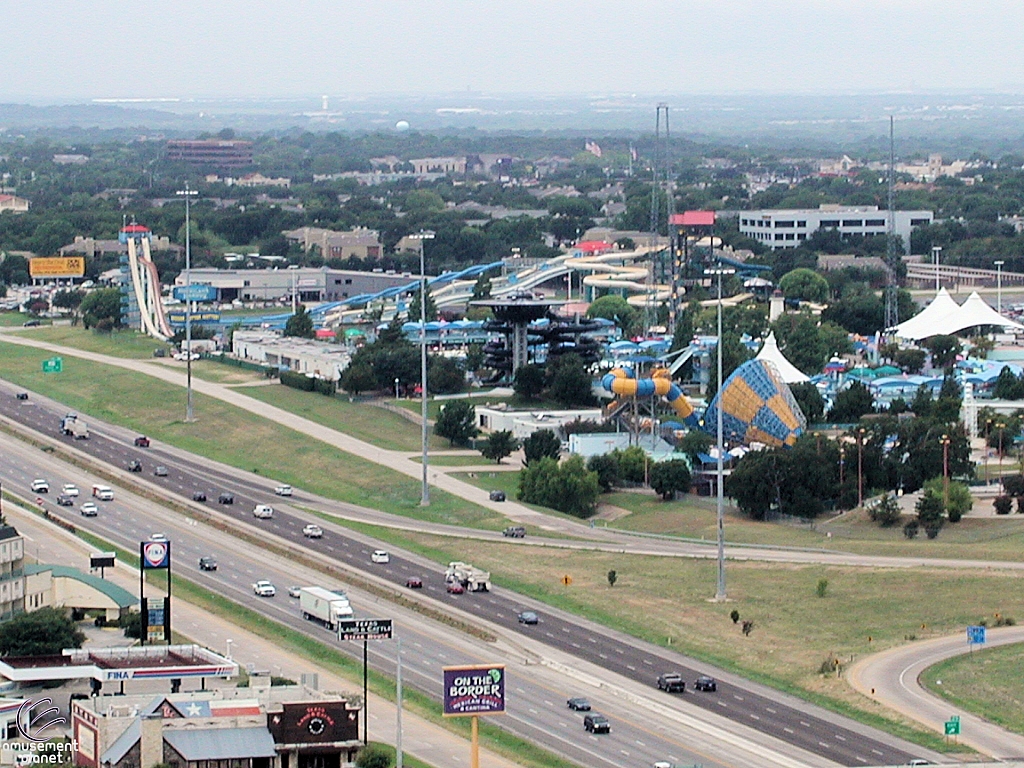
pixel 975 311
pixel 771 352
pixel 927 322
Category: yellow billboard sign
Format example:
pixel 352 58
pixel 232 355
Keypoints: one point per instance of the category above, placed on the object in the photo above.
pixel 70 266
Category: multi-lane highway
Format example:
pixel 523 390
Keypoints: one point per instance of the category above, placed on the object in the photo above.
pixel 805 728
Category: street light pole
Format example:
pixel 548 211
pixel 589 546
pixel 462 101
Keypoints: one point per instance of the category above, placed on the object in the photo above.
pixel 936 250
pixel 421 236
pixel 188 194
pixel 945 470
pixel 999 285
pixel 720 594
pixel 860 468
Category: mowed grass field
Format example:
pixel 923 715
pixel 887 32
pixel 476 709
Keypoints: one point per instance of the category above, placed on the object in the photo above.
pixel 117 344
pixel 233 436
pixel 987 682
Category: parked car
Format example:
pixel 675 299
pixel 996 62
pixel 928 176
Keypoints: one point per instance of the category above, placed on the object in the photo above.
pixel 497 495
pixel 514 532
pixel 380 556
pixel 313 531
pixel 22 395
pixel 65 501
pixel 597 724
pixel 89 509
pixel 577 704
pixel 414 582
pixel 142 441
pixel 40 486
pixel 207 563
pixel 70 489
pixel 671 682
pixel 454 588
pixel 705 683
pixel 160 471
pixel 134 465
pixel 528 617
pixel 263 511
pixel 226 498
pixel 283 490
pixel 198 496
pixel 264 588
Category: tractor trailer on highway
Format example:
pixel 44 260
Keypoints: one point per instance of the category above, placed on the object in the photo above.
pixel 319 604
pixel 72 426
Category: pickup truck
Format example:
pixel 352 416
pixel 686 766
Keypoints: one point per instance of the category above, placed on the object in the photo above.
pixel 671 682
pixel 264 588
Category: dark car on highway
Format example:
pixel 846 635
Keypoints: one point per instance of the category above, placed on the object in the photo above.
pixel 142 441
pixel 528 617
pixel 134 465
pixel 22 395
pixel 497 496
pixel 671 682
pixel 207 564
pixel 226 498
pixel 65 501
pixel 198 496
pixel 705 683
pixel 597 724
pixel 577 704
pixel 414 582
pixel 514 532
pixel 160 471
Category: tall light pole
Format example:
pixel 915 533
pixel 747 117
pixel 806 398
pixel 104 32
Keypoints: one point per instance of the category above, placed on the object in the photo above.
pixel 720 595
pixel 945 470
pixel 999 285
pixel 188 194
pixel 936 250
pixel 421 236
pixel 860 468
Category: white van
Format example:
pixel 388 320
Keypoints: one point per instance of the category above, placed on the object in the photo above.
pixel 103 492
pixel 263 511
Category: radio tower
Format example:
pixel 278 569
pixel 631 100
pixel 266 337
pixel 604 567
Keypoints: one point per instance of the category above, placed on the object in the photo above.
pixel 892 259
pixel 661 173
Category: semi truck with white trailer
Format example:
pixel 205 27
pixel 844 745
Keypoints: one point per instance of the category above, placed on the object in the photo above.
pixel 325 606
pixel 472 579
pixel 73 426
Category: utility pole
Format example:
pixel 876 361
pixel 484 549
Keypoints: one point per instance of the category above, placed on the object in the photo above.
pixel 892 259
pixel 188 194
pixel 421 236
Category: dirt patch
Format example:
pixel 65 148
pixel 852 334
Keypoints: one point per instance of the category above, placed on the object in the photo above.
pixel 609 512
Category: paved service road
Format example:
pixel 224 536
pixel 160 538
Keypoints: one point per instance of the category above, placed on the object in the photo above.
pixel 891 677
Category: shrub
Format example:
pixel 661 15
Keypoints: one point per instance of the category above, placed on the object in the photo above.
pixel 822 589
pixel 297 380
pixel 1003 504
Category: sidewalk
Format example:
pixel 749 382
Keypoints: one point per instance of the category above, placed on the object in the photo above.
pixel 421 738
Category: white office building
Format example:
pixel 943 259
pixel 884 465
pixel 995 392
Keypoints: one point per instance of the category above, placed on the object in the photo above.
pixel 787 228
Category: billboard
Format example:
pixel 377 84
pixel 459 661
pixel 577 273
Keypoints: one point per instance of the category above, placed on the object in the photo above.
pixel 195 293
pixel 474 690
pixel 156 619
pixel 155 554
pixel 319 723
pixel 178 317
pixel 102 559
pixel 69 266
pixel 364 629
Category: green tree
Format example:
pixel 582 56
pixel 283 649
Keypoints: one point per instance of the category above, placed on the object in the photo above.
pixel 606 467
pixel 668 477
pixel 632 463
pixel 929 510
pixel 414 306
pixel 358 378
pixel 44 632
pixel 374 756
pixel 612 578
pixel 805 284
pixel 694 442
pixel 543 442
pixel 811 403
pixel 959 496
pixel 445 376
pixel 68 299
pixel 300 324
pixel 568 487
pixel 944 350
pixel 529 381
pixel 1003 504
pixel 852 403
pixel 456 422
pixel 101 305
pixel 482 288
pixel 910 360
pixel 615 308
pixel 570 381
pixel 886 512
pixel 498 445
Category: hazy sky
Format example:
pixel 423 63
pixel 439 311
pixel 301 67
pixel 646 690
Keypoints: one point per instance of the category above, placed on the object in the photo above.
pixel 59 49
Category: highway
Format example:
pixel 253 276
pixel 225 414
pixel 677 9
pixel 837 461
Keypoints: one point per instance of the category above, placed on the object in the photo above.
pixel 807 728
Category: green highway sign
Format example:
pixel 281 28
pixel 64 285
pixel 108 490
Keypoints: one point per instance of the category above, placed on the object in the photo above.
pixel 953 726
pixel 53 365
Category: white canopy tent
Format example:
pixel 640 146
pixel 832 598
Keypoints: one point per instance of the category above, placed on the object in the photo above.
pixel 943 316
pixel 771 352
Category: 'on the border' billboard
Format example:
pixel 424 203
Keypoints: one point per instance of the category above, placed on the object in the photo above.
pixel 474 690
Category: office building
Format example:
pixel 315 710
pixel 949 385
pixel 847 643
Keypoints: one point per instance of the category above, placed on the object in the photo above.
pixel 788 228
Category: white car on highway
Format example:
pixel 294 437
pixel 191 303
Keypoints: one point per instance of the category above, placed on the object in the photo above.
pixel 69 489
pixel 313 531
pixel 264 588
pixel 380 556
pixel 263 511
pixel 283 490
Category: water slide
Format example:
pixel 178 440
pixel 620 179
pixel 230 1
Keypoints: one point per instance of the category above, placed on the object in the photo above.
pixel 146 286
pixel 622 382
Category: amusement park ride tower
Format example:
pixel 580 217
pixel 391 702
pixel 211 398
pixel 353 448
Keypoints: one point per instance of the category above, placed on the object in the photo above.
pixel 140 286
